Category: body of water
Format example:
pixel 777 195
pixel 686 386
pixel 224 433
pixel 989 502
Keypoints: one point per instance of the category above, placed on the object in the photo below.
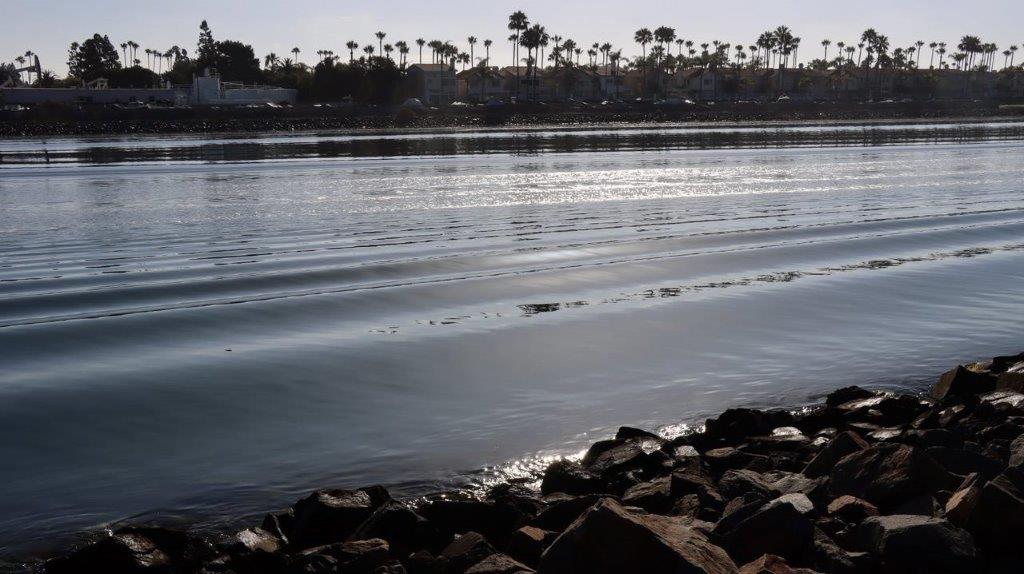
pixel 201 329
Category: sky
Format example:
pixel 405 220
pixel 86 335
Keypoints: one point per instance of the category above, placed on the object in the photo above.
pixel 47 27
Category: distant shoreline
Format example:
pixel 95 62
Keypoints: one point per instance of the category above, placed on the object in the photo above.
pixel 105 121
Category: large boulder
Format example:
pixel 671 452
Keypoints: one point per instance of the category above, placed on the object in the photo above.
pixel 328 516
pixel 571 478
pixel 994 513
pixel 465 551
pixel 496 520
pixel 403 529
pixel 909 543
pixel 843 444
pixel 357 557
pixel 529 542
pixel 611 538
pixel 851 509
pixel 499 564
pixel 653 496
pixel 735 425
pixel 120 553
pixel 771 564
pixel 781 527
pixel 887 475
pixel 962 382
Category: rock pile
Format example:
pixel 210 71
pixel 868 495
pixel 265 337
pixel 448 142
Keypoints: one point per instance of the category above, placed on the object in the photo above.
pixel 867 482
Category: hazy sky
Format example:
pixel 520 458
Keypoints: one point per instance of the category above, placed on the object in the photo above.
pixel 47 27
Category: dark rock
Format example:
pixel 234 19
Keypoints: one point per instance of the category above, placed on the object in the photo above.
pixel 423 562
pixel 306 563
pixel 253 540
pixel 917 544
pixel 654 496
pixel 607 460
pixel 847 394
pixel 739 482
pixel 1017 453
pixel 851 509
pixel 962 462
pixel 962 382
pixel 735 425
pixel 994 513
pixel 844 444
pixel 561 512
pixel 888 474
pixel 465 551
pixel 495 520
pixel 499 564
pixel 528 543
pixel 279 524
pixel 356 556
pixel 571 478
pixel 119 553
pixel 932 437
pixel 626 433
pixel 404 530
pixel 391 567
pixel 780 527
pixel 830 557
pixel 816 489
pixel 1003 364
pixel 328 516
pixel 725 458
pixel 610 538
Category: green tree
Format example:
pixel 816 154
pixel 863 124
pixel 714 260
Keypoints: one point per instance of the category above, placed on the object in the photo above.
pixel 643 36
pixel 206 51
pixel 94 58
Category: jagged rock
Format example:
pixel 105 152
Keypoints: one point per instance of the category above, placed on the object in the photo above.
pixel 528 543
pixel 499 564
pixel 563 511
pixel 888 474
pixel 847 394
pixel 816 489
pixel 357 556
pixel 963 462
pixel 254 540
pixel 328 516
pixel 771 564
pixel 495 520
pixel 423 562
pixel 780 527
pixel 653 496
pixel 610 538
pixel 907 543
pixel 829 557
pixel 609 458
pixel 626 433
pixel 571 478
pixel 306 563
pixel 961 381
pixel 844 444
pixel 734 425
pixel 851 509
pixel 725 458
pixel 465 551
pixel 120 553
pixel 739 482
pixel 404 530
pixel 994 513
pixel 391 567
pixel 279 524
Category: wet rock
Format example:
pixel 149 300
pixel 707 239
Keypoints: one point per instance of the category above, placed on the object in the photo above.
pixel 887 475
pixel 626 433
pixel 611 538
pixel 735 425
pixel 653 496
pixel 847 394
pixel 279 524
pixel 465 551
pixel 851 509
pixel 404 530
pixel 609 458
pixel 499 564
pixel 917 544
pixel 120 553
pixel 254 540
pixel 962 382
pixel 328 516
pixel 844 444
pixel 528 543
pixel 771 564
pixel 780 527
pixel 571 478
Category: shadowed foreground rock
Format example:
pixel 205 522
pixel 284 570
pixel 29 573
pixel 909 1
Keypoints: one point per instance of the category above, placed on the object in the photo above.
pixel 867 482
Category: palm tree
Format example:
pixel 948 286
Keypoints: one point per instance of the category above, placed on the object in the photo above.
pixel 643 36
pixel 517 23
pixel 380 40
pixel 296 51
pixel 826 43
pixel 942 53
pixel 369 51
pixel 472 44
pixel 352 47
pixel 124 51
pixel 270 61
pixel 919 44
pixel 487 47
pixel 931 62
pixel 1013 52
pixel 388 48
pixel 420 42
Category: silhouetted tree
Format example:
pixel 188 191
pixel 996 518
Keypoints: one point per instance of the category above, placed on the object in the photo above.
pixel 93 58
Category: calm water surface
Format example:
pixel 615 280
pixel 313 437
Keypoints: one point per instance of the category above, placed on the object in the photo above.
pixel 201 329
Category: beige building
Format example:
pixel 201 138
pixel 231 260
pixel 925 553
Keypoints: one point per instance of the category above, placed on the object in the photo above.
pixel 434 84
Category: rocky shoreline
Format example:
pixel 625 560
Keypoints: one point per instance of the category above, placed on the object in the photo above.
pixel 867 482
